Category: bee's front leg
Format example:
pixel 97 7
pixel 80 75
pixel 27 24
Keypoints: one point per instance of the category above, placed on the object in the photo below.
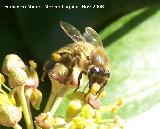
pixel 101 89
pixel 79 79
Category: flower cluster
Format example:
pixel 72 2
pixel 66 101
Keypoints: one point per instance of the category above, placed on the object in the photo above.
pixel 23 82
pixel 80 115
pixel 84 110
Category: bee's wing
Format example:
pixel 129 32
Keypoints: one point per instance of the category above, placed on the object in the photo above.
pixel 72 32
pixel 91 36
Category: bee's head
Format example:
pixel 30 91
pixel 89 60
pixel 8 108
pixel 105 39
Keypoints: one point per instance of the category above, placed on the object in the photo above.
pixel 98 75
pixel 98 71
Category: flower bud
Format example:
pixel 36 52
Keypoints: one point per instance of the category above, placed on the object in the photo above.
pixel 33 80
pixel 78 123
pixel 17 77
pixel 44 120
pixel 36 98
pixel 11 61
pixel 9 115
pixel 87 112
pixel 73 108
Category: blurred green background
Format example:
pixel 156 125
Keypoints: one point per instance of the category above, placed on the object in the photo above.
pixel 130 37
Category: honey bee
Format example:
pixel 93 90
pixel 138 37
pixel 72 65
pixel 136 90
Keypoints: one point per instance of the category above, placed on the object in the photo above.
pixel 87 53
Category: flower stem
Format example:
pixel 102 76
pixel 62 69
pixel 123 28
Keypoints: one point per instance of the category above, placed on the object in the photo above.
pixel 50 100
pixel 56 96
pixel 56 103
pixel 26 111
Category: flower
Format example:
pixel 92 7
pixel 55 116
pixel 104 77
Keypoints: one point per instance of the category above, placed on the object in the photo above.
pixel 24 82
pixel 10 114
pixel 82 116
pixel 44 120
pixel 21 75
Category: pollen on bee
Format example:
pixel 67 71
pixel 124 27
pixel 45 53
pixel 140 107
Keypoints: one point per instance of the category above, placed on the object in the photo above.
pixel 95 88
pixel 56 57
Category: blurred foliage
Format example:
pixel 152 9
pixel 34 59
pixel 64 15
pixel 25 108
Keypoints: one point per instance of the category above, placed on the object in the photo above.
pixel 131 42
pixel 134 43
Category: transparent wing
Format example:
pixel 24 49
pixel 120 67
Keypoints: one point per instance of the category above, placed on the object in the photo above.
pixel 91 36
pixel 72 32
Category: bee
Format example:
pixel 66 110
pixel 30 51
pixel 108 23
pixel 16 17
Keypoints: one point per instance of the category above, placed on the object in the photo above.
pixel 86 52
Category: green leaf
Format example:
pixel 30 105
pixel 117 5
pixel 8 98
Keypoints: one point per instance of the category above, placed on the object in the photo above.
pixel 133 45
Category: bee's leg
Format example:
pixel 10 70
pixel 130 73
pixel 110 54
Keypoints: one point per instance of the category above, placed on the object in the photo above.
pixel 73 62
pixel 86 87
pixel 100 91
pixel 69 61
pixel 102 86
pixel 47 67
pixel 79 79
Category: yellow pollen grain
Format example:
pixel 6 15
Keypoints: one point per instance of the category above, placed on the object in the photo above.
pixel 56 57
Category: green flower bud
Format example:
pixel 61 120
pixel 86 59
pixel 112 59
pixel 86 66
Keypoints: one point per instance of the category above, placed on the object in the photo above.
pixel 73 108
pixel 78 123
pixel 87 112
pixel 36 98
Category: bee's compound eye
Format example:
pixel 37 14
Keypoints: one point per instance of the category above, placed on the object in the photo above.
pixel 98 71
pixel 94 70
